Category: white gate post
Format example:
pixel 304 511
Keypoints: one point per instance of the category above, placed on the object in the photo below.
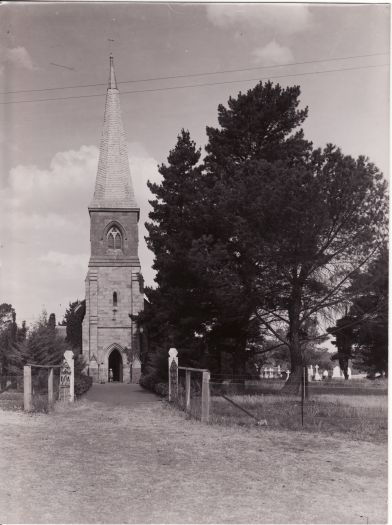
pixel 69 356
pixel 173 374
pixel 67 377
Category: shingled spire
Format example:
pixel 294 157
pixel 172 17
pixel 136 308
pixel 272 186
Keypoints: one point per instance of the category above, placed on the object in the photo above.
pixel 113 186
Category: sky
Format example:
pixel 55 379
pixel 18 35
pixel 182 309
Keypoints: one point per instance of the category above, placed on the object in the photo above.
pixel 49 148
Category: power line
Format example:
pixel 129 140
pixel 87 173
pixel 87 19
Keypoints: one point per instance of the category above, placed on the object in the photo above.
pixel 195 74
pixel 186 86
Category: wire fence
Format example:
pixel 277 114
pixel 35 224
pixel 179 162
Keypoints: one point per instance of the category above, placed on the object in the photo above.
pixel 194 405
pixel 332 406
pixel 356 407
pixel 40 399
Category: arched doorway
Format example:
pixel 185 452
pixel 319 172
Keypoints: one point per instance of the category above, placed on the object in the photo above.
pixel 116 365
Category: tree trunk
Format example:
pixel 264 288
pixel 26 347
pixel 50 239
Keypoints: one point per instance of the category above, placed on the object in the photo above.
pixel 240 356
pixel 294 383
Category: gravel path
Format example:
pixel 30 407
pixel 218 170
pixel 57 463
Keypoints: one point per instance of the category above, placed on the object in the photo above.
pixel 97 463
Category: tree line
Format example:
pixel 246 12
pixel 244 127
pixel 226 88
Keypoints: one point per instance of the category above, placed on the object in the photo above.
pixel 40 344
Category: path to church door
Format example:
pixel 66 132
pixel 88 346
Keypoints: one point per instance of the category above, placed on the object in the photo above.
pixel 116 365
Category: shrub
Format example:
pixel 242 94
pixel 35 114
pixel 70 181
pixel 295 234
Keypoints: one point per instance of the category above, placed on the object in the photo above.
pixel 162 389
pixel 149 382
pixel 82 384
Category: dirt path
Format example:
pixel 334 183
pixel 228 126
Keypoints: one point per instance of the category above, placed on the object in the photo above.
pixel 121 394
pixel 94 463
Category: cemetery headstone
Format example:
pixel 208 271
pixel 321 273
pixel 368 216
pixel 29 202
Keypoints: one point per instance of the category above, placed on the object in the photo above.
pixel 317 376
pixel 336 372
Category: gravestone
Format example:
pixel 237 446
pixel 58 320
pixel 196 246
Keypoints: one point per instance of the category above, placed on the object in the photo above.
pixel 310 373
pixel 337 373
pixel 317 376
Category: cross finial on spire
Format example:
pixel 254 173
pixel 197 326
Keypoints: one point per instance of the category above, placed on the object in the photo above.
pixel 112 78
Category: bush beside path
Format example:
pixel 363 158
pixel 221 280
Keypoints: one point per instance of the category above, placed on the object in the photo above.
pixel 96 463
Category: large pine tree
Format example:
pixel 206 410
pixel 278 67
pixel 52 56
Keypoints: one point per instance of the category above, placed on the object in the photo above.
pixel 294 224
pixel 265 236
pixel 174 311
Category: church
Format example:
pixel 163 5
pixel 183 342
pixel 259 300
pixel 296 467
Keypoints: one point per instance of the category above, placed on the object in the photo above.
pixel 114 284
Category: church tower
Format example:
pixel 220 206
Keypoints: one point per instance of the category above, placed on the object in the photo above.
pixel 114 285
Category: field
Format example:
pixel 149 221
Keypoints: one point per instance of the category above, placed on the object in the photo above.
pixel 357 409
pixel 96 463
pixel 360 417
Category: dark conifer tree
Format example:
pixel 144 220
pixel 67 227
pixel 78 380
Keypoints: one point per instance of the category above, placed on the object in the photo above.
pixel 291 224
pixel 174 310
pixel 265 237
pixel 362 334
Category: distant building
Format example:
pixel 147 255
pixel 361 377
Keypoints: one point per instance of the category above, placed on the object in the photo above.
pixel 114 287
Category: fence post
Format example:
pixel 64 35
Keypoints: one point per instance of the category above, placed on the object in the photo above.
pixel 27 389
pixel 173 374
pixel 187 390
pixel 205 397
pixel 50 389
pixel 303 393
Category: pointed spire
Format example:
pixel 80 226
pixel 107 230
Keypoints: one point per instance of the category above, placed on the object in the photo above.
pixel 113 185
pixel 112 78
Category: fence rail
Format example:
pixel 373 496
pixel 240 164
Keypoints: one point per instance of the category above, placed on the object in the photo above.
pixel 41 390
pixel 174 384
pixel 330 405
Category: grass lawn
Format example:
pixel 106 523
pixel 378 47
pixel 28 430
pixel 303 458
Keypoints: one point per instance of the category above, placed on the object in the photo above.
pixel 95 463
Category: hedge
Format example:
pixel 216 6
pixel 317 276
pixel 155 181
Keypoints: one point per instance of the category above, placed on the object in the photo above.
pixel 148 382
pixel 82 384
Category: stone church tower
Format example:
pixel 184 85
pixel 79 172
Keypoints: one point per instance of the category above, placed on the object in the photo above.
pixel 114 286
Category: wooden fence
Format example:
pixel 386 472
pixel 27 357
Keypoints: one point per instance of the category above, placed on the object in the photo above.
pixel 66 390
pixel 173 385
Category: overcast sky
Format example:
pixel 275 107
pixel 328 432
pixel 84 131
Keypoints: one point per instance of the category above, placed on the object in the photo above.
pixel 49 149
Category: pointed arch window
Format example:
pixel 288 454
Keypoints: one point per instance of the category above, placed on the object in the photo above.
pixel 114 238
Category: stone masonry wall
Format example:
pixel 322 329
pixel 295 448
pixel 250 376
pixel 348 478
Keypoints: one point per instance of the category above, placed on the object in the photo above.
pixel 110 327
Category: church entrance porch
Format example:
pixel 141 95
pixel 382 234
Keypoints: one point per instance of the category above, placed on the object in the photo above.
pixel 115 366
